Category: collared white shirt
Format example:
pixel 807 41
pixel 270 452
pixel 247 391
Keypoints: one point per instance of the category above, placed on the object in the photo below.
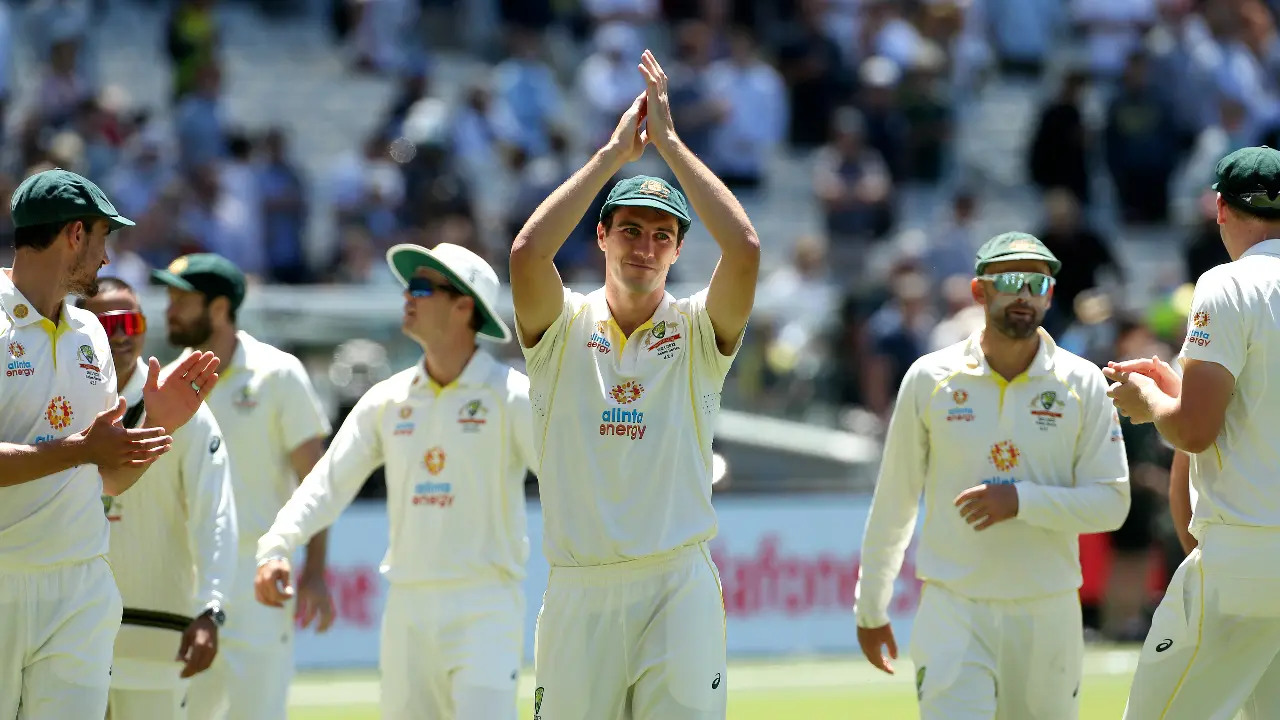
pixel 624 429
pixel 455 467
pixel 1232 322
pixel 1052 432
pixel 56 380
pixel 266 408
pixel 173 540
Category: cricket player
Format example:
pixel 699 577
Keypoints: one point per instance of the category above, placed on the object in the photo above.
pixel 274 429
pixel 1017 451
pixel 1211 651
pixel 625 385
pixel 62 447
pixel 456 435
pixel 173 538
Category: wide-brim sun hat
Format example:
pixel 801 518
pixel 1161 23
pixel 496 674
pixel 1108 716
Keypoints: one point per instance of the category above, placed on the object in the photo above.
pixel 464 270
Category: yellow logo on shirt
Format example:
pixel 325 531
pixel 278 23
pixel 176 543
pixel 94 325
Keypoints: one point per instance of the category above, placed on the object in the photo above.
pixel 20 311
pixel 1004 455
pixel 627 392
pixel 434 460
pixel 59 413
pixel 16 349
pixel 471 417
pixel 1200 319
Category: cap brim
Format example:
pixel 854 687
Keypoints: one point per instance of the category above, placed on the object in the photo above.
pixel 1054 265
pixel 405 260
pixel 119 221
pixel 172 280
pixel 656 204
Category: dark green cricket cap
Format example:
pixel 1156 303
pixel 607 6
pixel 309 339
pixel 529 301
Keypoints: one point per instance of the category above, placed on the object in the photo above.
pixel 206 273
pixel 1249 180
pixel 1014 246
pixel 59 196
pixel 648 191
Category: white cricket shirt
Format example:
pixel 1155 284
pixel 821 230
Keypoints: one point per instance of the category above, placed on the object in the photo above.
pixel 1232 322
pixel 624 426
pixel 57 378
pixel 266 408
pixel 173 543
pixel 455 467
pixel 1052 432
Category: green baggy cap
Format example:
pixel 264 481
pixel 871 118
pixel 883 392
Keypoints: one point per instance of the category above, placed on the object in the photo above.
pixel 60 196
pixel 1249 180
pixel 648 191
pixel 1015 246
pixel 206 273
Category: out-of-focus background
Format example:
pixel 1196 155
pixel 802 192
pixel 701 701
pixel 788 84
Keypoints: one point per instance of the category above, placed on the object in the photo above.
pixel 875 144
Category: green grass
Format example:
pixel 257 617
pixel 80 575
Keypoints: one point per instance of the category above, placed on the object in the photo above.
pixel 809 689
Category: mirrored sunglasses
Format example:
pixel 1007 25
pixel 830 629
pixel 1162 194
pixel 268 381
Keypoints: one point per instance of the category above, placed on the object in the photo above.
pixel 129 322
pixel 422 287
pixel 1013 282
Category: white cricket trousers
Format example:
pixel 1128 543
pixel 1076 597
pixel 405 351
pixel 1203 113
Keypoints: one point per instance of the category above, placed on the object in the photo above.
pixel 638 640
pixel 249 679
pixel 1211 651
pixel 452 651
pixel 997 659
pixel 57 633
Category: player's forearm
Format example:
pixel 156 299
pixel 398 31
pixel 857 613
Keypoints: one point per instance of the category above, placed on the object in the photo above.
pixel 550 225
pixel 1180 500
pixel 115 482
pixel 317 555
pixel 21 464
pixel 1088 508
pixel 1181 429
pixel 714 204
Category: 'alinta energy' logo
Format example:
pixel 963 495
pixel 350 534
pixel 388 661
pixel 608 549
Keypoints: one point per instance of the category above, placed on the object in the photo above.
pixel 617 422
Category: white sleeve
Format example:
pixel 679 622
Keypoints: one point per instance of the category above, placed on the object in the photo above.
pixel 538 358
pixel 1098 498
pixel 211 512
pixel 332 484
pixel 299 414
pixel 1217 330
pixel 520 417
pixel 711 362
pixel 892 518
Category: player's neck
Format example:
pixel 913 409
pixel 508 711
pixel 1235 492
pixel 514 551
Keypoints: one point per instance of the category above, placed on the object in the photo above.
pixel 222 343
pixel 446 365
pixel 1008 357
pixel 38 277
pixel 629 310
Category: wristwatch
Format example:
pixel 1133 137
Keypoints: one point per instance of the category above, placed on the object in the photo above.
pixel 215 612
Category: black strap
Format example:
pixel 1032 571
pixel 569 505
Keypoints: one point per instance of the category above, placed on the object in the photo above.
pixel 133 415
pixel 155 619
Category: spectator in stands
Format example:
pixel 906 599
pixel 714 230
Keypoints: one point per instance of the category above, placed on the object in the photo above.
pixel 284 211
pixel 198 121
pixel 48 22
pixel 1060 147
pixel 363 185
pixel 1142 146
pixel 813 67
pixel 926 114
pixel 146 167
pixel 1113 30
pixel 240 209
pixel 886 127
pixel 693 104
pixel 62 88
pixel 379 33
pixel 753 114
pixel 607 80
pixel 192 40
pixel 1204 250
pixel 962 317
pixel 899 335
pixel 952 246
pixel 1126 600
pixel 1023 33
pixel 853 185
pixel 526 87
pixel 884 32
pixel 1068 234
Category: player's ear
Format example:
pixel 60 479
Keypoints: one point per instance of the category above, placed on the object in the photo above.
pixel 975 289
pixel 600 233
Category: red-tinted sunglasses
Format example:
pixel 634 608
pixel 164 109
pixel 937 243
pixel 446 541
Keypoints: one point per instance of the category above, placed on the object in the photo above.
pixel 129 322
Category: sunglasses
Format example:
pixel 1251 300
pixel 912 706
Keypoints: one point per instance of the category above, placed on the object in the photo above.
pixel 129 322
pixel 421 287
pixel 1011 283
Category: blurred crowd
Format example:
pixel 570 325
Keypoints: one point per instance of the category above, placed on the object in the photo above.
pixel 1137 101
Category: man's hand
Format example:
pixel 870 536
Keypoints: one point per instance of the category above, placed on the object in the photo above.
pixel 273 584
pixel 627 139
pixel 173 399
pixel 1167 379
pixel 875 642
pixel 314 600
pixel 111 446
pixel 985 505
pixel 660 131
pixel 1133 394
pixel 199 646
